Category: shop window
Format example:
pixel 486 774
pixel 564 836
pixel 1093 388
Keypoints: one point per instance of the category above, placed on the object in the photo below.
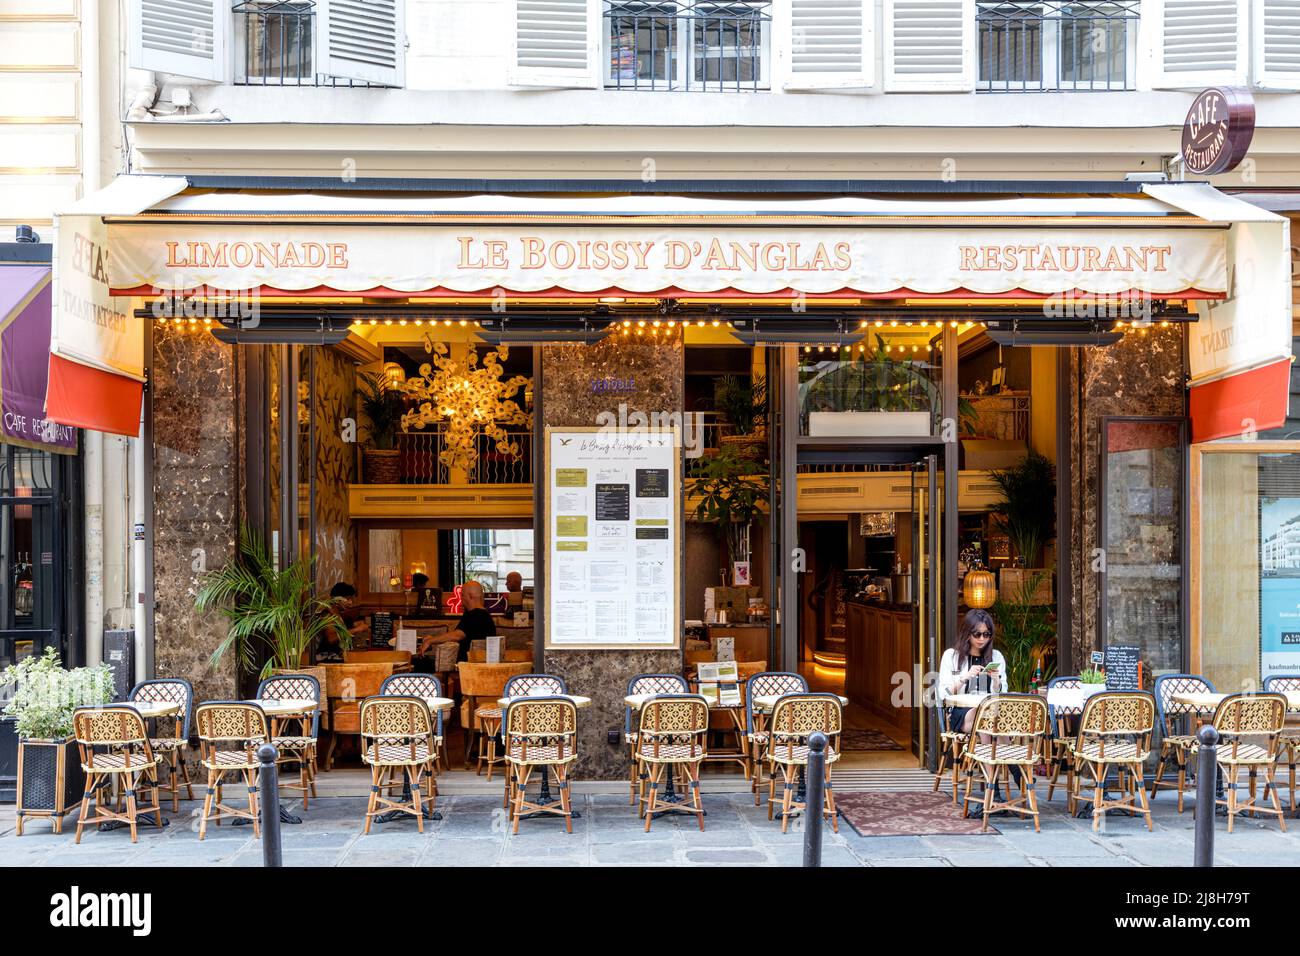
pixel 276 39
pixel 478 543
pixel 1026 46
pixel 886 385
pixel 716 45
pixel 32 553
pixel 1141 562
pixel 1249 566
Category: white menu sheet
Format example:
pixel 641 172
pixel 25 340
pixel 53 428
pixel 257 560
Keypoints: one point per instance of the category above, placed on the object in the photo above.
pixel 612 538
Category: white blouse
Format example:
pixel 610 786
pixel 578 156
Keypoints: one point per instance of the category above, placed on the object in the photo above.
pixel 952 680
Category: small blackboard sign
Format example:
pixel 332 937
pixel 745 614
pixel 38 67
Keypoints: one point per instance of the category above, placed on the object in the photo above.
pixel 1122 667
pixel 381 629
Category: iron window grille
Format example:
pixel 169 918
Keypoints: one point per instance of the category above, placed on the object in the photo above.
pixel 1048 45
pixel 688 45
pixel 276 45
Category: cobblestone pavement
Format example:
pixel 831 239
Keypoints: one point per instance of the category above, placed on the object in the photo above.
pixel 473 832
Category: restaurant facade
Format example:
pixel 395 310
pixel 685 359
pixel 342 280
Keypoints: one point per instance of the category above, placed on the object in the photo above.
pixel 568 356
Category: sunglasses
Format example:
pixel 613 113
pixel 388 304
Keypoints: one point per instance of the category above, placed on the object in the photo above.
pixel 981 633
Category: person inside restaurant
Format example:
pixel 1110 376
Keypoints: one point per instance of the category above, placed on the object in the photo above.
pixel 329 650
pixel 514 591
pixel 475 623
pixel 427 599
pixel 972 666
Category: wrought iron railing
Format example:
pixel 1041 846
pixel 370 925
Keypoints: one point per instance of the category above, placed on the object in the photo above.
pixel 688 45
pixel 421 462
pixel 278 41
pixel 1028 47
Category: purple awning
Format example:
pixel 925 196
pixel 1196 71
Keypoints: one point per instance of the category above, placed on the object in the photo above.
pixel 25 300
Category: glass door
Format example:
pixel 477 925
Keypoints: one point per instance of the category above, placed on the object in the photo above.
pixel 926 601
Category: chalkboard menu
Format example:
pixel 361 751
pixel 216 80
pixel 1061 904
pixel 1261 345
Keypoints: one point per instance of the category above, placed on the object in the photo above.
pixel 1121 665
pixel 381 629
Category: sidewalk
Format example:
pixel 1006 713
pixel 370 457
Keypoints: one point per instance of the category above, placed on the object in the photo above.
pixel 474 832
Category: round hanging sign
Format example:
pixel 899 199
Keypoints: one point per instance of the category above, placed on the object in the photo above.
pixel 1218 130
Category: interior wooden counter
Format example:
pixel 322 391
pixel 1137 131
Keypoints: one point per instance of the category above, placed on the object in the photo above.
pixel 877 645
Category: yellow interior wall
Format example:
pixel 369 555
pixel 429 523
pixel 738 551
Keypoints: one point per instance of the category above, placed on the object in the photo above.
pixel 1042 403
pixel 1229 562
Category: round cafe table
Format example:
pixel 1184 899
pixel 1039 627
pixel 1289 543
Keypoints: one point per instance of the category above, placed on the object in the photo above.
pixel 580 702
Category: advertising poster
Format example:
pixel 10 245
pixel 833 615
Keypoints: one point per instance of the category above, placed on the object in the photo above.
pixel 1279 586
pixel 613 529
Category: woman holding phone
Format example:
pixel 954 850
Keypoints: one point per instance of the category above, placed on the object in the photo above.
pixel 971 666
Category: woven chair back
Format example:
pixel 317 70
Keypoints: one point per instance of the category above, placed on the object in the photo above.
pixel 1114 713
pixel 796 716
pixel 525 685
pixel 393 719
pixel 167 690
pixel 1011 715
pixel 111 726
pixel 224 722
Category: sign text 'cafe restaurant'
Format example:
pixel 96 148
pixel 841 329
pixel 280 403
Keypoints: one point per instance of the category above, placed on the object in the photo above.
pixel 892 349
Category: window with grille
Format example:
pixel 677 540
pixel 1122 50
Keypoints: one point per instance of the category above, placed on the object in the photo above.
pixel 705 45
pixel 1028 46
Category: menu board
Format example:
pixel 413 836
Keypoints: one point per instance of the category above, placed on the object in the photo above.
pixel 612 538
pixel 1121 663
pixel 381 629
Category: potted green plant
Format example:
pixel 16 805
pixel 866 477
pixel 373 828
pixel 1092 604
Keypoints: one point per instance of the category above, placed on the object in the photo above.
pixel 1026 515
pixel 743 403
pixel 874 395
pixel 50 780
pixel 1026 635
pixel 268 608
pixel 383 407
pixel 1093 680
pixel 731 489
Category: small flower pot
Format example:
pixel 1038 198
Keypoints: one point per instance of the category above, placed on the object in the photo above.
pixel 50 780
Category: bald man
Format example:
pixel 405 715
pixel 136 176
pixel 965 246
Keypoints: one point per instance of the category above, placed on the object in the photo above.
pixel 475 623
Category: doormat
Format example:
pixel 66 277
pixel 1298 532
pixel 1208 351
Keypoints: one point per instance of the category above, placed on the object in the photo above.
pixel 859 740
pixel 905 814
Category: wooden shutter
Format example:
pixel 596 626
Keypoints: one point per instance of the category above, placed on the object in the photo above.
pixel 1275 45
pixel 1198 43
pixel 181 37
pixel 929 45
pixel 557 43
pixel 831 44
pixel 362 40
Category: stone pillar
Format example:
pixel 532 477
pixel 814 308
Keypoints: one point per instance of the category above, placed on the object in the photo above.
pixel 1139 375
pixel 196 499
pixel 568 400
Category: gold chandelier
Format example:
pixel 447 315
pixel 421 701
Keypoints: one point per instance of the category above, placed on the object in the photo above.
pixel 467 399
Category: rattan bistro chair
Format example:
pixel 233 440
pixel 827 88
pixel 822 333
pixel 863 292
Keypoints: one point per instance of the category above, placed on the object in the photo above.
pixel 114 743
pixel 1176 742
pixel 1056 748
pixel 540 732
pixel 673 732
pixel 230 733
pixel 952 748
pixel 397 737
pixel 764 684
pixel 1289 738
pixel 1008 732
pixel 170 746
pixel 794 719
pixel 1114 732
pixel 481 686
pixel 297 748
pixel 645 684
pixel 1249 727
pixel 421 685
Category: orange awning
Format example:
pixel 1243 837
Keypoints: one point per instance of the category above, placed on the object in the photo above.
pixel 90 398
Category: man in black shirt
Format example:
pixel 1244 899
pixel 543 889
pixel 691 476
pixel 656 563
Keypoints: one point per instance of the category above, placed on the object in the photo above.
pixel 475 623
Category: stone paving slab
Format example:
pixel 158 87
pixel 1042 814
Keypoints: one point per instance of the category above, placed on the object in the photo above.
pixel 475 831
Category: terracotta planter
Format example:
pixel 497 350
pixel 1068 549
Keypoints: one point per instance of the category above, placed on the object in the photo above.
pixel 381 466
pixel 50 780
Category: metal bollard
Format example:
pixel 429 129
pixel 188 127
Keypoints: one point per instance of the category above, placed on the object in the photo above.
pixel 1207 772
pixel 815 777
pixel 268 785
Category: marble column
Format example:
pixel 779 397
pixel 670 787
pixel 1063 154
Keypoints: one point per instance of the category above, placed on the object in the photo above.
pixel 568 399
pixel 1139 375
pixel 196 495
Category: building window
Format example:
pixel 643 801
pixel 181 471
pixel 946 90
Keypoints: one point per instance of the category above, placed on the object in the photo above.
pixel 276 38
pixel 478 543
pixel 702 45
pixel 1028 46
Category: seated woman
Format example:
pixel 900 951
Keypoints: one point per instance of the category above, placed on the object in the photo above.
pixel 972 666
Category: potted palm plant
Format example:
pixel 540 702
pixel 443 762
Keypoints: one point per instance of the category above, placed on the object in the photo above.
pixel 1026 635
pixel 269 609
pixel 44 696
pixel 743 403
pixel 383 407
pixel 1026 515
pixel 731 488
